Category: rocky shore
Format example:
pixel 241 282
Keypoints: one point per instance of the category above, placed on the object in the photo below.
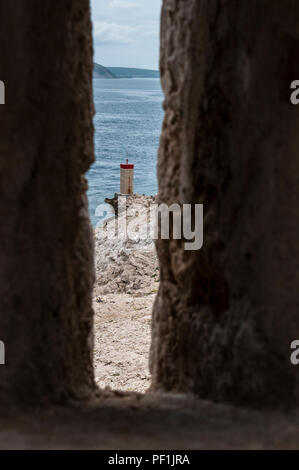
pixel 127 280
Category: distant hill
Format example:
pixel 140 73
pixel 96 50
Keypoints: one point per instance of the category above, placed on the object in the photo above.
pixel 99 71
pixel 124 72
pixel 102 72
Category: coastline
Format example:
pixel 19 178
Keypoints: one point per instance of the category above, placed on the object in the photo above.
pixel 124 294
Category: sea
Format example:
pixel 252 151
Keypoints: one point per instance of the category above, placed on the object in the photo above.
pixel 127 124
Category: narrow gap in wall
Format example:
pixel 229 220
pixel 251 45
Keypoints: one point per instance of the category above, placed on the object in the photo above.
pixel 128 106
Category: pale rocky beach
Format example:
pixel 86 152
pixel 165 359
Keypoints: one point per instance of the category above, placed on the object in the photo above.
pixel 123 299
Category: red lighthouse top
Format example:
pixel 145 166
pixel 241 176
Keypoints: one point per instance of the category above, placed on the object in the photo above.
pixel 127 165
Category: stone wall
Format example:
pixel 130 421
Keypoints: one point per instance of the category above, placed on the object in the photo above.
pixel 46 146
pixel 225 316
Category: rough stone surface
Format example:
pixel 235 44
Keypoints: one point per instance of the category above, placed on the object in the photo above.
pixel 125 255
pixel 127 279
pixel 225 316
pixel 163 421
pixel 46 146
pixel 122 327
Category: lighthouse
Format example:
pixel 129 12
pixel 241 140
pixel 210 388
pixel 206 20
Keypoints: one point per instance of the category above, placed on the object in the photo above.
pixel 126 178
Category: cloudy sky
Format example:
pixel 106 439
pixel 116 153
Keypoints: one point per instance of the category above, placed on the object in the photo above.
pixel 126 32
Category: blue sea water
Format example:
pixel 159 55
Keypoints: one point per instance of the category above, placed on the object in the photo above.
pixel 128 120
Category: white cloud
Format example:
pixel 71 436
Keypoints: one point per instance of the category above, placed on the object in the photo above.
pixel 123 4
pixel 133 25
pixel 113 33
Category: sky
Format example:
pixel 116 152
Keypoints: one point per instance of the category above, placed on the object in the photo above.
pixel 126 32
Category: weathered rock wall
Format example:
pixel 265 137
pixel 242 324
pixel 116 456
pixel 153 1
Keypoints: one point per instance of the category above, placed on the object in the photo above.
pixel 46 146
pixel 225 316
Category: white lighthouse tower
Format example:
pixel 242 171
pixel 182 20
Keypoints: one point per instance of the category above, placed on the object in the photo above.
pixel 126 178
